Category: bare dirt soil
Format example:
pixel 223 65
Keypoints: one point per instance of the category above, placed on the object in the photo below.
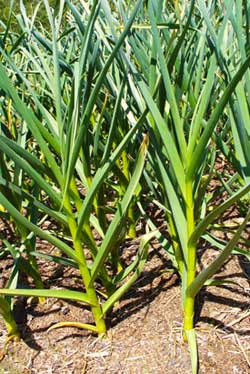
pixel 145 329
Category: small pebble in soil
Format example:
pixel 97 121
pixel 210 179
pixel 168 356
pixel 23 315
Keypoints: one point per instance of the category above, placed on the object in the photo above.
pixel 65 310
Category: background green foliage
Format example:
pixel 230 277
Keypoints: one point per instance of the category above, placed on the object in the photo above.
pixel 30 6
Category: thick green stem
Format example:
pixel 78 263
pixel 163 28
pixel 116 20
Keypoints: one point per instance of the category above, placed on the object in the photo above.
pixel 188 315
pixel 11 326
pixel 131 213
pixel 131 222
pixel 8 318
pixel 96 309
pixel 191 263
pixel 99 204
pixel 87 235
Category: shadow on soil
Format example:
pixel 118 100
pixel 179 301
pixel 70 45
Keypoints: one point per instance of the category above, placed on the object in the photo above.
pixel 245 266
pixel 207 296
pixel 152 282
pixel 26 334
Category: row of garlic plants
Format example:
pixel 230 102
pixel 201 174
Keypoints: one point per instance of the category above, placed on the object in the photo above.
pixel 115 106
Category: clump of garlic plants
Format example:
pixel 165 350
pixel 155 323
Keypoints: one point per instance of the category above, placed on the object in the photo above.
pixel 77 159
pixel 179 79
